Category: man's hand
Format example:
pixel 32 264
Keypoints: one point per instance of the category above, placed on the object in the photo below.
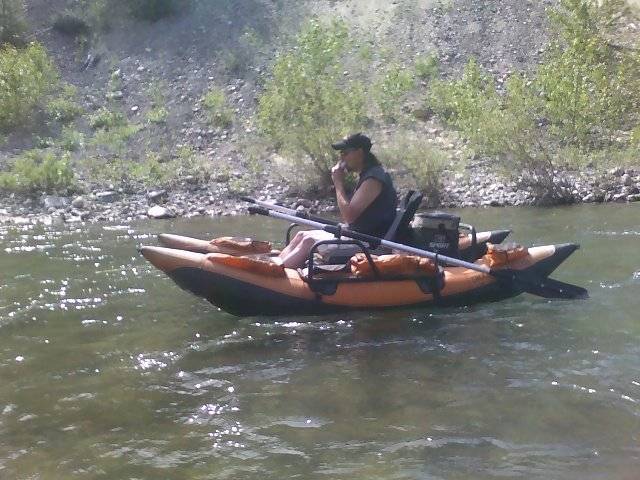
pixel 338 173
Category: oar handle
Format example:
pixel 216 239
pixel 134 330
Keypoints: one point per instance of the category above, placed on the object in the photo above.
pixel 289 211
pixel 373 241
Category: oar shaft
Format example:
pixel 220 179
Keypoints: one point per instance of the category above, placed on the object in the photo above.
pixel 289 211
pixel 336 230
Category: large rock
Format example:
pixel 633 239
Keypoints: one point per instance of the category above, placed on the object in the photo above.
pixel 159 212
pixel 627 180
pixel 53 202
pixel 78 203
pixel 117 95
pixel 304 203
pixel 108 196
pixel 157 196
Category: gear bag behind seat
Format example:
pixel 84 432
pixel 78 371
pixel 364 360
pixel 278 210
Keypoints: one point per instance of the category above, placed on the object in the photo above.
pixel 437 232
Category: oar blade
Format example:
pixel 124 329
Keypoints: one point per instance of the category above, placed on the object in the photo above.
pixel 551 288
pixel 541 286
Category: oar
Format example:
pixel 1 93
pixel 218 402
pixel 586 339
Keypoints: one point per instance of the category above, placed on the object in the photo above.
pixel 526 281
pixel 289 211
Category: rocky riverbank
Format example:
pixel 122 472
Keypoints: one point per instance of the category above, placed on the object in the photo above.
pixel 476 189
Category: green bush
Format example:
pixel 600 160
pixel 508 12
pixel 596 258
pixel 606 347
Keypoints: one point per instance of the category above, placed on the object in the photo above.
pixel 159 112
pixel 237 59
pixel 218 111
pixel 27 76
pixel 64 107
pixel 100 14
pixel 40 171
pixel 635 136
pixel 504 127
pixel 590 86
pixel 424 162
pixel 308 103
pixel 112 130
pixel 464 102
pixel 70 139
pixel 151 171
pixel 12 24
pixel 427 67
pixel 115 139
pixel 154 170
pixel 106 119
pixel 390 90
pixel 158 115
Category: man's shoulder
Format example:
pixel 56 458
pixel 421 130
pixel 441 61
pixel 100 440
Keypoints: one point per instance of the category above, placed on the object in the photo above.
pixel 378 172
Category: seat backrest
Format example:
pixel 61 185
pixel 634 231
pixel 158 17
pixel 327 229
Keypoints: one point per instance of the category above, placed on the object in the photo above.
pixel 398 231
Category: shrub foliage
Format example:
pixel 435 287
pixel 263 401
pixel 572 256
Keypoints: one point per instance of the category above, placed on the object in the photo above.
pixel 308 103
pixel 423 161
pixel 27 76
pixel 38 171
pixel 390 90
pixel 217 108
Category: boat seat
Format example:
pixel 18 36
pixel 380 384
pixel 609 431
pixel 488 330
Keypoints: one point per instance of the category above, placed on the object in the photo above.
pixel 397 232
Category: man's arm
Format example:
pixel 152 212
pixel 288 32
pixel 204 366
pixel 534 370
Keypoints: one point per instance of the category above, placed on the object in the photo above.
pixel 364 196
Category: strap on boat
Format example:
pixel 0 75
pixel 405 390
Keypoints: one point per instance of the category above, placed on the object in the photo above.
pixel 432 285
pixel 328 287
pixel 473 251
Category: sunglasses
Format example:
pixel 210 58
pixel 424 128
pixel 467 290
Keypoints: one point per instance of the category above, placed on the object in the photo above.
pixel 347 151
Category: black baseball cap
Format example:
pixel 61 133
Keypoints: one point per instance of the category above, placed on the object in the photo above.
pixel 357 140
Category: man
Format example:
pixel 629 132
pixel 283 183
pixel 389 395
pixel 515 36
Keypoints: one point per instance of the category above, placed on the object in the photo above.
pixel 371 209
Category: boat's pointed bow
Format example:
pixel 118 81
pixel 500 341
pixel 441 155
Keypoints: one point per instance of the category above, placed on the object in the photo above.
pixel 551 256
pixel 498 236
pixel 170 259
pixel 564 250
pixel 168 239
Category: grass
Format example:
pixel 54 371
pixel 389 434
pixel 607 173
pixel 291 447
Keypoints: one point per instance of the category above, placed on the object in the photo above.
pixel 217 109
pixel 107 119
pixel 155 169
pixel 427 66
pixel 115 138
pixel 158 113
pixel 70 140
pixel 64 108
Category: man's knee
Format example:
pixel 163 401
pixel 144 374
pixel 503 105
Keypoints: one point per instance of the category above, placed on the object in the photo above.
pixel 308 241
pixel 300 236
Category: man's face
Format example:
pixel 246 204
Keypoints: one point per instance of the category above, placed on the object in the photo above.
pixel 352 157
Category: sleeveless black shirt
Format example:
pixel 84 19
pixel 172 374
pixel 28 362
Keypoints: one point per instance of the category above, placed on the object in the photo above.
pixel 379 215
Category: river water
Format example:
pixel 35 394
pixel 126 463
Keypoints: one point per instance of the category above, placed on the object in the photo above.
pixel 108 370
